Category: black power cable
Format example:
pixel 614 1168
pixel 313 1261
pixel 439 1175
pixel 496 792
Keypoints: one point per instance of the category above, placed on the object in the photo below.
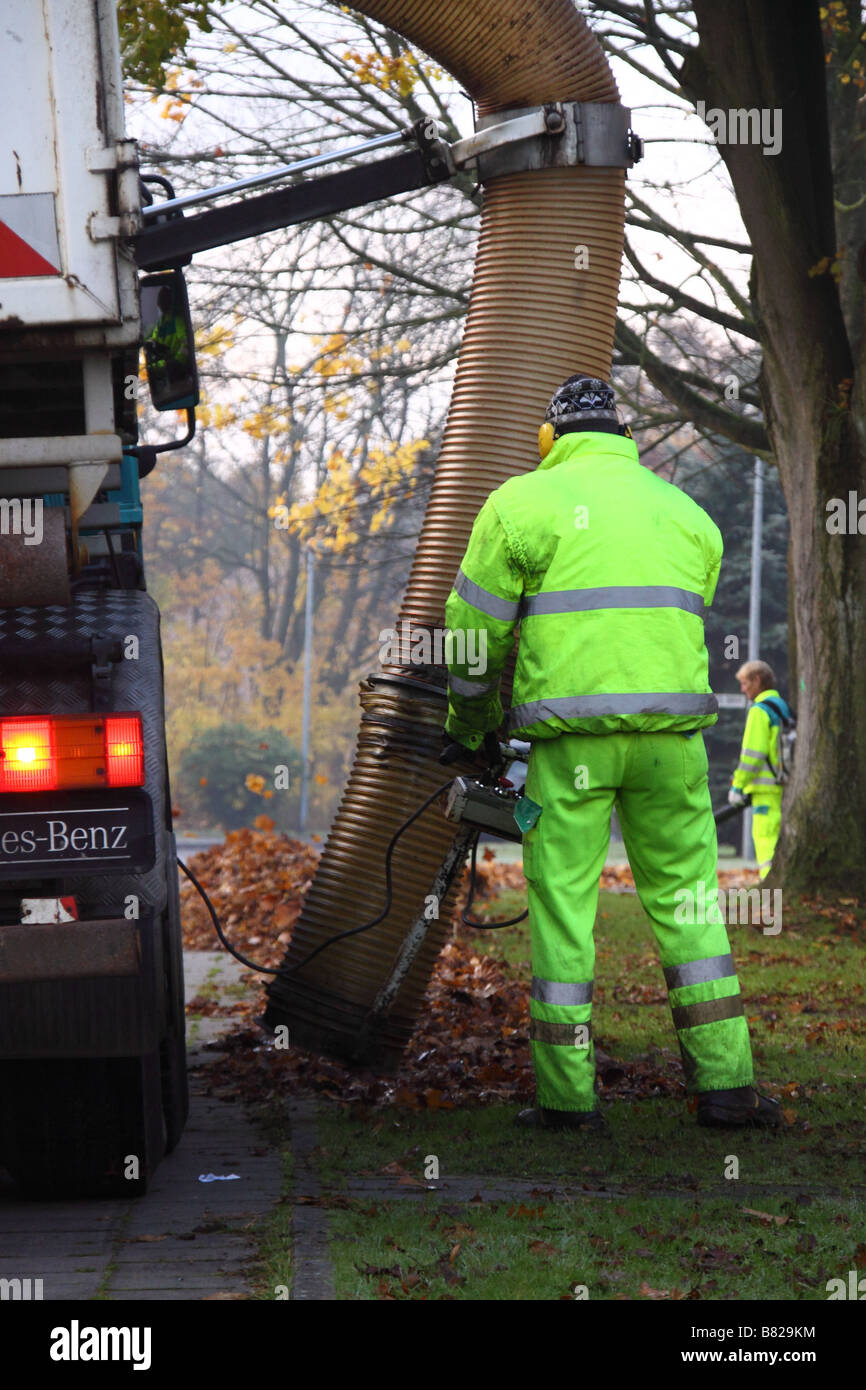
pixel 262 969
pixel 356 931
pixel 340 936
pixel 484 926
pixel 114 569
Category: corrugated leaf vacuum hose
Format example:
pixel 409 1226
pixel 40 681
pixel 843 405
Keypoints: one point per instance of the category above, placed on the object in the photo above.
pixel 542 305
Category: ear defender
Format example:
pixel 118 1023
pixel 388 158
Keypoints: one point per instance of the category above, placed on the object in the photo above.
pixel 546 436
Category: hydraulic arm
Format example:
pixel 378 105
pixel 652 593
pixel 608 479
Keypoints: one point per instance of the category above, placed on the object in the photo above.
pixel 562 133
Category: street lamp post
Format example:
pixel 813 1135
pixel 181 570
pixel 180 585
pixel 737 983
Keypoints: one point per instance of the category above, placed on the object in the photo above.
pixel 308 671
pixel 755 608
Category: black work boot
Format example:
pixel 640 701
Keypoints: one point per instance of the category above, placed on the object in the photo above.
pixel 739 1108
pixel 560 1119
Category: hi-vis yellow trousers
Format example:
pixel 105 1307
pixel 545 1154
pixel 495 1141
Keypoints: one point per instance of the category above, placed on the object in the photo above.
pixel 658 783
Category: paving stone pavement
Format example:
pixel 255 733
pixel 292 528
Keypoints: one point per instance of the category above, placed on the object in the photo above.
pixel 312 1271
pixel 184 1239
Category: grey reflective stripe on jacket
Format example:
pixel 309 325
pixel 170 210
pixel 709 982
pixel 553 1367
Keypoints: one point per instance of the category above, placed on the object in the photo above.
pixel 613 596
pixel 471 688
pixel 484 601
pixel 590 706
pixel 698 972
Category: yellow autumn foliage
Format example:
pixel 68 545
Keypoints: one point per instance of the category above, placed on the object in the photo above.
pixel 399 74
pixel 383 476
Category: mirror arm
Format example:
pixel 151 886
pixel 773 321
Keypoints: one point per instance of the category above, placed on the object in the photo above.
pixel 146 453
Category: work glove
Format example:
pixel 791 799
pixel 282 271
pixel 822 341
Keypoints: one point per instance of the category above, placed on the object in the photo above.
pixel 488 755
pixel 737 798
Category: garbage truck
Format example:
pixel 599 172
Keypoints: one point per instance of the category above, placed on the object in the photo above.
pixel 93 1082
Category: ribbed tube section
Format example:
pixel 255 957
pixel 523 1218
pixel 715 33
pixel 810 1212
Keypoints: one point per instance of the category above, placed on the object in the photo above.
pixel 543 305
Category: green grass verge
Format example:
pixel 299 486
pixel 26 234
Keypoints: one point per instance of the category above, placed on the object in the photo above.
pixel 634 1248
pixel 673 1220
pixel 654 1143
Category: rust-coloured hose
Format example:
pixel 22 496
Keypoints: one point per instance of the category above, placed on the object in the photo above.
pixel 534 318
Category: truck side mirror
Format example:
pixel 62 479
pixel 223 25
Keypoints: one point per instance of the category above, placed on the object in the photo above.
pixel 168 341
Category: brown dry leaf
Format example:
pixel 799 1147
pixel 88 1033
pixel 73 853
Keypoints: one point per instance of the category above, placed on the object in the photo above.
pixel 766 1217
pixel 541 1247
pixel 646 1292
pixel 142 1239
pixel 459 1231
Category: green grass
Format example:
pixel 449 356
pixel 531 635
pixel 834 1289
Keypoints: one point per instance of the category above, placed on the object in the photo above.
pixel 672 1218
pixel 652 1143
pixel 631 1248
pixel 274 1276
pixel 508 944
pixel 236 991
pixel 102 1294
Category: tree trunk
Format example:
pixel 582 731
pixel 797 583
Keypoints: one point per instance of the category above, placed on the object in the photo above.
pixel 751 56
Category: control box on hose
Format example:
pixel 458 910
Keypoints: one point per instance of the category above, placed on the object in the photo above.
pixel 490 802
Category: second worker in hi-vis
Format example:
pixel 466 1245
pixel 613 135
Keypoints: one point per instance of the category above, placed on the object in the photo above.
pixel 609 570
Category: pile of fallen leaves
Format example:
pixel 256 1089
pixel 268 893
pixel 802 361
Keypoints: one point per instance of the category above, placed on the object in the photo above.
pixel 471 1041
pixel 847 914
pixel 256 881
pixel 493 875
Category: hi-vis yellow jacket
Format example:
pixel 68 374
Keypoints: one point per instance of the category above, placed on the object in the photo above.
pixel 608 570
pixel 754 774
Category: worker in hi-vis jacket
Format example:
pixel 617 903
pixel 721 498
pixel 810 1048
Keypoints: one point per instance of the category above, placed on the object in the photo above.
pixel 755 777
pixel 608 569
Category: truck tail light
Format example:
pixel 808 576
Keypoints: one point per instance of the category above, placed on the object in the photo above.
pixel 46 753
pixel 28 761
pixel 124 750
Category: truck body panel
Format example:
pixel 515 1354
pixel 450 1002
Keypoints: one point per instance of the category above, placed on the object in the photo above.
pixel 93 1086
pixel 59 213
